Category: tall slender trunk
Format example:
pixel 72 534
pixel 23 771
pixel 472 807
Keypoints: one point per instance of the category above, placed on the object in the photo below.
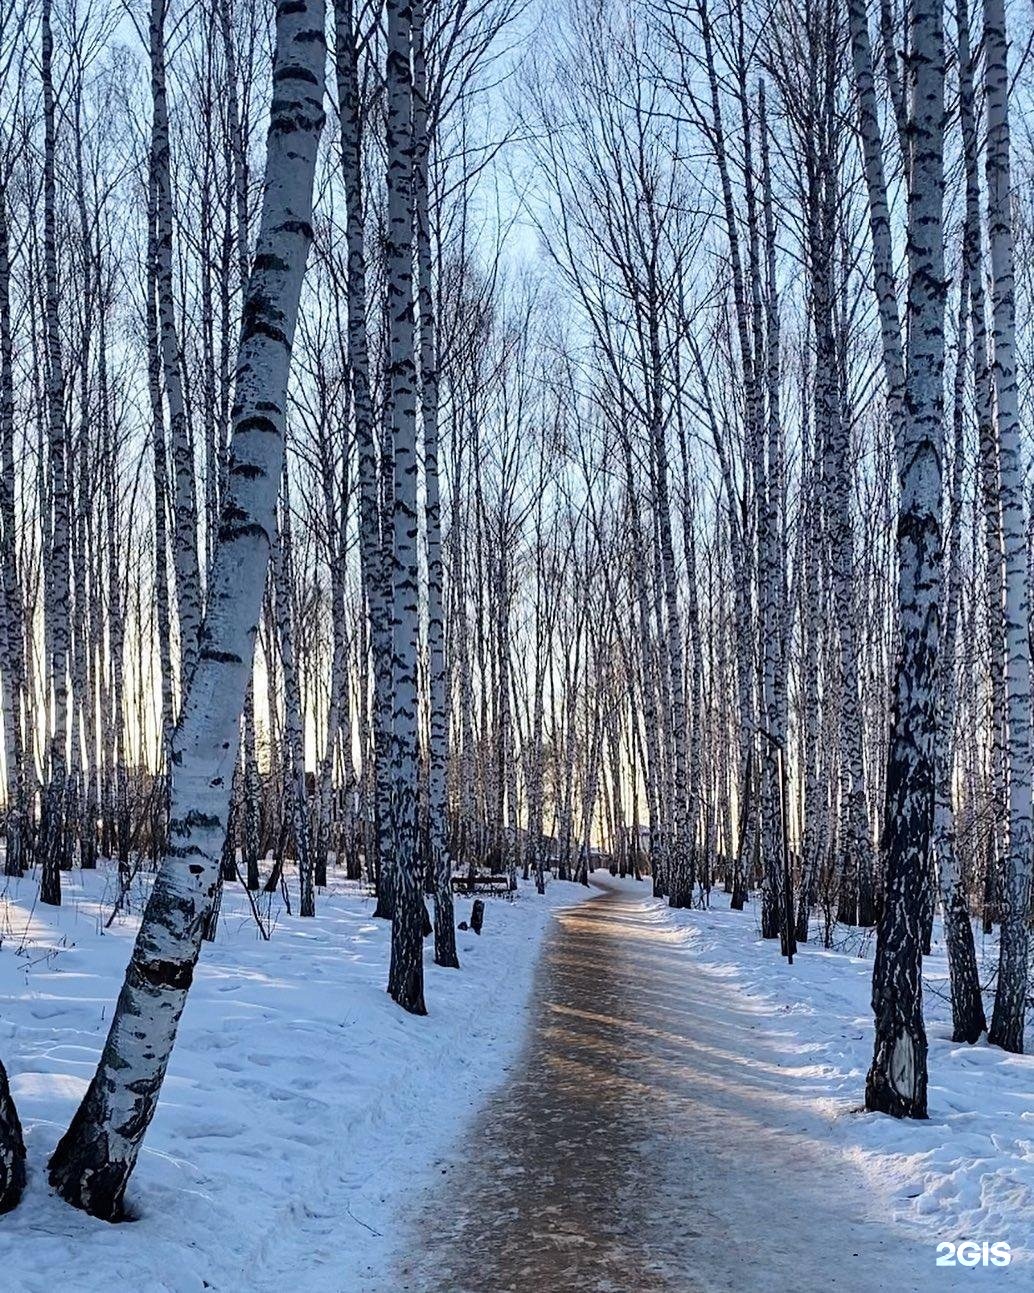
pixel 160 477
pixel 776 608
pixel 184 544
pixel 748 801
pixel 897 1079
pixel 990 482
pixel 406 975
pixel 438 752
pixel 250 790
pixel 56 843
pixel 652 769
pixel 371 549
pixel 879 215
pixel 1011 993
pixel 336 540
pixel 294 735
pixel 679 894
pixel 13 661
pixel 966 1004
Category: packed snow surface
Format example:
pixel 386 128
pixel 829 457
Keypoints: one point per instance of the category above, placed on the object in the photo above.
pixel 301 1107
pixel 966 1174
pixel 685 1119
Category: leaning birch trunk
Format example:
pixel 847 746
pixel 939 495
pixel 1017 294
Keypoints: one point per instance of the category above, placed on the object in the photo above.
pixel 1011 993
pixel 406 975
pixel 184 532
pixel 93 1162
pixel 897 1080
pixel 460 635
pixel 854 905
pixel 115 717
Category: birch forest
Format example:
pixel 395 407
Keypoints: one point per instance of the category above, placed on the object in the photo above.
pixel 456 446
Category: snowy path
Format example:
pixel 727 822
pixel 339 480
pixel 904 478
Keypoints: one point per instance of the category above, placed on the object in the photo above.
pixel 651 1138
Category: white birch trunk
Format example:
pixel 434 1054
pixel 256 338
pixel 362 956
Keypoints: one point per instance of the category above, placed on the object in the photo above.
pixel 406 975
pixel 185 546
pixel 372 557
pixel 294 735
pixel 54 838
pixel 879 214
pixel 438 752
pixel 13 661
pixel 990 483
pixel 161 529
pixel 966 1003
pixel 897 1079
pixel 1011 992
pixel 93 1162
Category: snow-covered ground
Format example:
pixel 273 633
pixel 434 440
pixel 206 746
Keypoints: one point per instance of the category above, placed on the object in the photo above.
pixel 304 1113
pixel 302 1107
pixel 968 1172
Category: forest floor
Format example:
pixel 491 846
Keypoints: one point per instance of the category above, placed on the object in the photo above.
pixel 685 1116
pixel 301 1110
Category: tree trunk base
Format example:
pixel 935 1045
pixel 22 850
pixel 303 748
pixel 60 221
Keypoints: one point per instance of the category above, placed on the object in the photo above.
pixel 82 1173
pixel 896 1083
pixel 12 1149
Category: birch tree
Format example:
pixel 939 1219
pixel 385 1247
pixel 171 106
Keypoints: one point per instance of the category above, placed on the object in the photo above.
pixel 897 1080
pixel 1011 994
pixel 54 835
pixel 93 1162
pixel 405 978
pixel 185 542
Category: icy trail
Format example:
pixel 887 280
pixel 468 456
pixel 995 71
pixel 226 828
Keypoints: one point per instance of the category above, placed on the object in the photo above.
pixel 659 1133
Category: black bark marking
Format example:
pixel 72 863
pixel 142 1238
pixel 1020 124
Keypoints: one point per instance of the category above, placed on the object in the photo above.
pixel 174 975
pixel 230 530
pixel 293 73
pixel 256 422
pixel 268 262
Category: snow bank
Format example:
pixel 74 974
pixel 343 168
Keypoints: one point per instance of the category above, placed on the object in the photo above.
pixel 968 1172
pixel 301 1107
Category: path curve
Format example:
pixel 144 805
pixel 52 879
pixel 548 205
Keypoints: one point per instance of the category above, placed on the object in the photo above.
pixel 645 1143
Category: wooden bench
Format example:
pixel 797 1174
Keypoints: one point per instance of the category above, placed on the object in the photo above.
pixel 480 883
